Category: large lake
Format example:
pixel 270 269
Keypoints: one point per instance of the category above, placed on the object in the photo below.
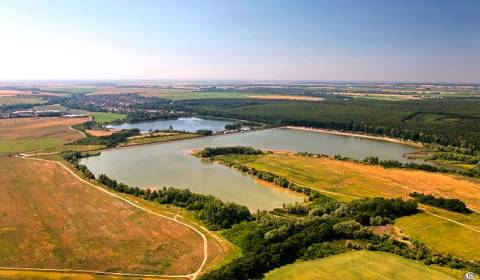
pixel 169 164
pixel 190 124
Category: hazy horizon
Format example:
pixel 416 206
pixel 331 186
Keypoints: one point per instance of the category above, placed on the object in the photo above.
pixel 311 41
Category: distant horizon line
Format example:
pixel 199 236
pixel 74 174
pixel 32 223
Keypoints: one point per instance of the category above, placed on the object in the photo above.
pixel 290 81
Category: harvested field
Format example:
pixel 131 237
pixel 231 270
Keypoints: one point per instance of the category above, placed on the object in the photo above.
pixel 50 219
pixel 98 133
pixel 25 134
pixel 361 265
pixel 287 97
pixel 39 127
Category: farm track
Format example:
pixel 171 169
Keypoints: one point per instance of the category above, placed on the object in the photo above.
pixel 192 276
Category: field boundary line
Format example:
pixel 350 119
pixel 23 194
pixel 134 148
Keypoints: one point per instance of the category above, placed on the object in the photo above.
pixel 452 220
pixel 192 276
pixel 79 131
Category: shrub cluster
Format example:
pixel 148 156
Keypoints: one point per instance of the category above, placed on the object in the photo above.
pixel 204 132
pixel 211 152
pixel 111 140
pixel 454 205
pixel 233 126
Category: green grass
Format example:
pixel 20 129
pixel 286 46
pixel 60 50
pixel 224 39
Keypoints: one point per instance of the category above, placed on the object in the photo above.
pixel 13 146
pixel 360 265
pixel 107 117
pixel 10 100
pixel 73 147
pixel 442 235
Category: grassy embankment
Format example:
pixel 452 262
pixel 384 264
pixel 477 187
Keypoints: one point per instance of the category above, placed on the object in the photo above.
pixel 158 138
pixel 361 265
pixel 346 181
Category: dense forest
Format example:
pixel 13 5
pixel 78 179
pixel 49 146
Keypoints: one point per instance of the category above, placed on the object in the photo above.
pixel 450 121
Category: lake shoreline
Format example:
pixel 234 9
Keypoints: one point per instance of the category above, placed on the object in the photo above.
pixel 358 135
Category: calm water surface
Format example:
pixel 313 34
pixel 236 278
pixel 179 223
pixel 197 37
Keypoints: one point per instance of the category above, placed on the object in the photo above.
pixel 169 164
pixel 190 124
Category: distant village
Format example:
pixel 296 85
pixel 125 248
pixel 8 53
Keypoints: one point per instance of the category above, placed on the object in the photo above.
pixel 38 114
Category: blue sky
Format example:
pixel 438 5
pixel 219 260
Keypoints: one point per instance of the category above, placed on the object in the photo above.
pixel 284 40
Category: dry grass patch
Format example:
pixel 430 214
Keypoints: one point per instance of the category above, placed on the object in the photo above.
pixel 50 219
pixel 361 180
pixel 98 133
pixel 42 275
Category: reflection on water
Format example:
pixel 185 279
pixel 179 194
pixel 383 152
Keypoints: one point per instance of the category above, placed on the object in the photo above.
pixel 169 164
pixel 191 124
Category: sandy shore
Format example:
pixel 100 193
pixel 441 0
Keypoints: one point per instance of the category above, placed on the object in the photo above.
pixel 352 134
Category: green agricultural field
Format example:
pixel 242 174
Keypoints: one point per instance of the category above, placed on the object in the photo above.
pixel 10 100
pixel 361 265
pixel 107 117
pixel 13 146
pixel 442 235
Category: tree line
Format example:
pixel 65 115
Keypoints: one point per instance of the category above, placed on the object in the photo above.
pixel 419 166
pixel 209 209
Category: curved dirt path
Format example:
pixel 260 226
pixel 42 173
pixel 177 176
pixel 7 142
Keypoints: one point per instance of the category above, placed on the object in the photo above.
pixel 192 276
